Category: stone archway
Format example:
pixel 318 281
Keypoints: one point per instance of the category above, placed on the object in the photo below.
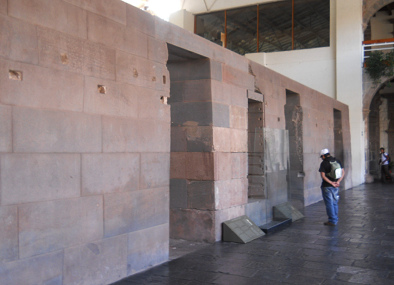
pixel 370 7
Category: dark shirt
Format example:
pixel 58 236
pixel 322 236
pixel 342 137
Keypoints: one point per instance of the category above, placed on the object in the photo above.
pixel 325 167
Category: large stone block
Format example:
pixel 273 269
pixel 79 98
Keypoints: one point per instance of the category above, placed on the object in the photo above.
pixel 65 52
pixel 178 165
pixel 201 195
pixel 157 50
pixel 178 193
pixel 39 177
pixel 133 211
pixel 8 234
pixel 153 106
pixel 194 225
pixel 101 262
pixel 140 20
pixel 5 129
pixel 112 9
pixel 191 91
pixel 155 170
pixel 239 140
pixel 68 18
pixel 117 36
pixel 43 269
pixel 55 225
pixel 237 95
pixel 109 173
pixel 136 70
pixel 53 131
pixel 238 117
pixel 116 100
pixel 218 94
pixel 222 139
pixel 199 139
pixel 147 248
pixel 194 114
pixel 154 136
pixel 239 165
pixel 196 69
pixel 64 90
pixel 238 77
pixel 18 40
pixel 200 166
pixel 223 165
pixel 120 134
pixel 220 115
pixel 178 139
pixel 230 193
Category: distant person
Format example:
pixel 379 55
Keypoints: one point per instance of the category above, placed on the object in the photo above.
pixel 332 173
pixel 384 162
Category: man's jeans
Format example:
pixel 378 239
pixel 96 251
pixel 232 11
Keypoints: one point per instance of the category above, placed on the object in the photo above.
pixel 330 197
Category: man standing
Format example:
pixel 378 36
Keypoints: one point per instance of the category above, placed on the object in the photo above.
pixel 332 173
pixel 384 162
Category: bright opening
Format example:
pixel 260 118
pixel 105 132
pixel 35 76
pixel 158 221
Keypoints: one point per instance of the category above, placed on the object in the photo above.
pixel 160 8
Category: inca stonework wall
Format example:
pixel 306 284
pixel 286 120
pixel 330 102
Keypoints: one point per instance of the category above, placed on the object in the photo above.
pixel 86 143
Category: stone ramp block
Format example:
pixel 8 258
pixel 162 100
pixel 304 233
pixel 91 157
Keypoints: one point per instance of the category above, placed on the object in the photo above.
pixel 241 230
pixel 287 211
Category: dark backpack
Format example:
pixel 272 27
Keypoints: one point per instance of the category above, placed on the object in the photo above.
pixel 336 170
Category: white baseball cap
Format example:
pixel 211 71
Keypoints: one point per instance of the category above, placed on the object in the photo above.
pixel 324 151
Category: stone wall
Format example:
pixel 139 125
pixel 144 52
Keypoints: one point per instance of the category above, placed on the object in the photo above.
pixel 86 143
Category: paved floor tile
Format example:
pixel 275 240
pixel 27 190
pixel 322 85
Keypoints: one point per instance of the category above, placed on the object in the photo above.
pixel 359 250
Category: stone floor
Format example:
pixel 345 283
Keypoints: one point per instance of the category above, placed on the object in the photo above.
pixel 359 250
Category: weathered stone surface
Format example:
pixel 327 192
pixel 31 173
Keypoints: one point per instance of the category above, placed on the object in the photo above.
pixel 239 140
pixel 68 18
pixel 196 69
pixel 140 21
pixel 229 193
pixel 155 170
pixel 223 165
pixel 192 114
pixel 54 225
pixel 132 211
pixel 151 106
pixel 178 139
pixel 191 91
pixel 118 100
pixel 8 233
pixel 55 131
pixel 221 139
pixel 39 177
pixel 178 193
pixel 199 165
pixel 147 248
pixel 154 136
pixel 238 117
pixel 101 262
pixel 201 195
pixel 112 9
pixel 136 70
pixel 18 40
pixel 237 77
pixel 5 129
pixel 220 115
pixel 120 134
pixel 239 165
pixel 237 95
pixel 157 51
pixel 64 91
pixel 109 173
pixel 192 225
pixel 3 7
pixel 117 35
pixel 44 269
pixel 65 52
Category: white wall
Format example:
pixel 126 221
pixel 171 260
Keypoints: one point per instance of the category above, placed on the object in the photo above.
pixel 183 19
pixel 349 77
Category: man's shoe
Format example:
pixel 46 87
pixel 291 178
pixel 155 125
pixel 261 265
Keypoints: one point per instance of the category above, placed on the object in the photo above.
pixel 329 224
